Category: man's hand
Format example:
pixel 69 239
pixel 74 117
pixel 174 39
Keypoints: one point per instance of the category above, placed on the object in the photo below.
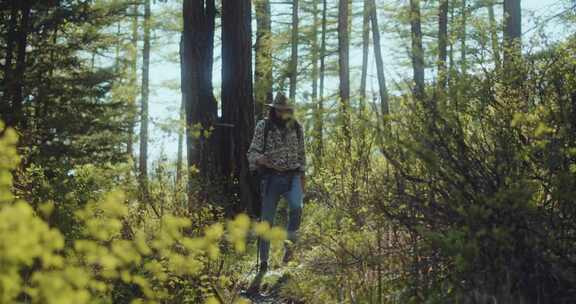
pixel 266 162
pixel 303 181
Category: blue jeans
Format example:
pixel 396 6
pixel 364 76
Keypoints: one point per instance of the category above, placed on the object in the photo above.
pixel 275 186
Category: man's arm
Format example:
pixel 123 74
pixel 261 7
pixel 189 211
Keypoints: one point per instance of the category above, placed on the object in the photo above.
pixel 255 152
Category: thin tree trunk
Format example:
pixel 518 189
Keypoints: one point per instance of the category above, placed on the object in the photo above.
pixel 494 36
pixel 383 90
pixel 294 54
pixel 237 100
pixel 320 110
pixel 181 131
pixel 314 54
pixel 442 47
pixel 133 82
pixel 344 71
pixel 451 62
pixel 144 103
pixel 263 77
pixel 365 49
pixel 417 50
pixel 315 71
pixel 463 37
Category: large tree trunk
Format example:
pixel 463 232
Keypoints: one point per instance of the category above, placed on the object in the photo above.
pixel 263 77
pixel 512 32
pixel 442 47
pixel 384 100
pixel 294 54
pixel 237 100
pixel 344 72
pixel 143 162
pixel 197 53
pixel 417 50
pixel 133 82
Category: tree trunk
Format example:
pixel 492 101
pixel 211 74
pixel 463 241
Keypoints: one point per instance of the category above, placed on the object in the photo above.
pixel 384 100
pixel 181 131
pixel 133 82
pixel 320 108
pixel 5 104
pixel 463 37
pixel 442 47
pixel 197 57
pixel 294 54
pixel 494 36
pixel 344 72
pixel 512 32
pixel 315 50
pixel 144 103
pixel 365 49
pixel 15 85
pixel 237 100
pixel 417 50
pixel 314 54
pixel 263 78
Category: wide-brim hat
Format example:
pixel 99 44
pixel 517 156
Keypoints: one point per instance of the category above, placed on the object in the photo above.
pixel 281 102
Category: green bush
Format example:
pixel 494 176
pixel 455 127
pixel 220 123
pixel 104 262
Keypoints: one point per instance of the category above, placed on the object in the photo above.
pixel 109 260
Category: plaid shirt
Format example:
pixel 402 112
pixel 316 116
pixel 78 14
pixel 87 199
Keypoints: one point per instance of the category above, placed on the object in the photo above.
pixel 283 147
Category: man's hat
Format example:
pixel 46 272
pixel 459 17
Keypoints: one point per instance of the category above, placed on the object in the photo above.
pixel 281 102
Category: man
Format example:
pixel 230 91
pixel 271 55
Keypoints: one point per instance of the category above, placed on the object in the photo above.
pixel 277 153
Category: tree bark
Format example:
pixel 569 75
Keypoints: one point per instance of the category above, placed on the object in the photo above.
pixel 383 90
pixel 294 54
pixel 417 50
pixel 143 160
pixel 344 73
pixel 237 100
pixel 263 78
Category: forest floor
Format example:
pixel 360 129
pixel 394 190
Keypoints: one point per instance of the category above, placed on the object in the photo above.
pixel 268 289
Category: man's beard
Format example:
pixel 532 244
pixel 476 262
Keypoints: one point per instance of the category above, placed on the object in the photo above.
pixel 279 121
